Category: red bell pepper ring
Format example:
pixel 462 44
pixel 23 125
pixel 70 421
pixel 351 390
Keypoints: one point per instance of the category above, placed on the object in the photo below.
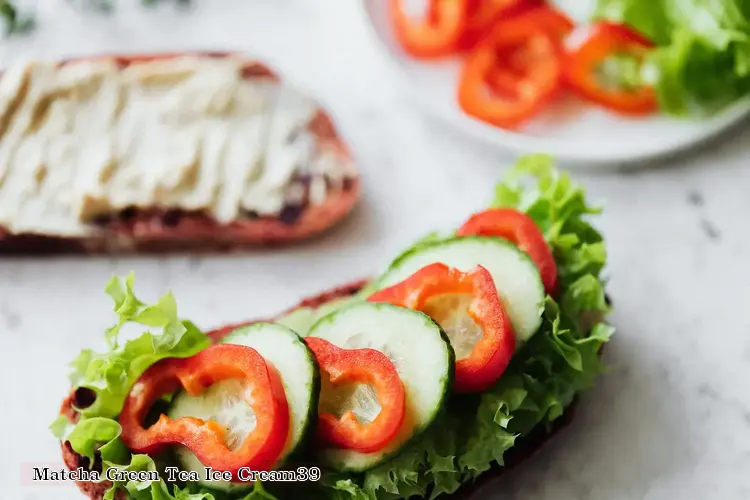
pixel 484 13
pixel 553 21
pixel 517 101
pixel 515 68
pixel 489 357
pixel 259 450
pixel 363 366
pixel 521 230
pixel 609 40
pixel 435 35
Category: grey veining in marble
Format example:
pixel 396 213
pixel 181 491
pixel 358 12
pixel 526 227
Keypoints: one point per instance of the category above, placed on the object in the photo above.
pixel 671 419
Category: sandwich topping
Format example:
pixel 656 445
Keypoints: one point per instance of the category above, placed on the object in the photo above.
pixel 84 141
pixel 344 372
pixel 467 307
pixel 519 228
pixel 469 345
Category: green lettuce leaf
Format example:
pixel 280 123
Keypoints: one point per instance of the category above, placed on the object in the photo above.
pixel 702 60
pixel 111 374
pixel 559 207
pixel 146 490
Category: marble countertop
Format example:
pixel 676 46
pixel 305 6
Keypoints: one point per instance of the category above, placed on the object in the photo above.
pixel 670 420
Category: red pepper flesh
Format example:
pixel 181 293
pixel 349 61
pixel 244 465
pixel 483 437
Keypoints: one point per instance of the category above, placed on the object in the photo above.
pixel 484 13
pixel 609 39
pixel 434 36
pixel 516 69
pixel 262 446
pixel 360 366
pixel 521 230
pixel 521 96
pixel 553 21
pixel 491 354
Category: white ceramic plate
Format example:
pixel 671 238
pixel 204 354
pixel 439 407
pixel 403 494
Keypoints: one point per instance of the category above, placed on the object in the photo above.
pixel 571 130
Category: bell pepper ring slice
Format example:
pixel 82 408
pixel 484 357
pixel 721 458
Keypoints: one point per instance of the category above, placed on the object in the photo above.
pixel 520 229
pixel 516 102
pixel 259 450
pixel 431 288
pixel 551 20
pixel 359 366
pixel 607 41
pixel 484 13
pixel 516 69
pixel 436 34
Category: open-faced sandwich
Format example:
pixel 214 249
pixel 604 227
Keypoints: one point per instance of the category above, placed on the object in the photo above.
pixel 162 153
pixel 426 381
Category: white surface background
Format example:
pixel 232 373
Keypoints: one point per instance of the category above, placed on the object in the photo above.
pixel 672 419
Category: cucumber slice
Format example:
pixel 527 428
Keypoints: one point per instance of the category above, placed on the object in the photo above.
pixel 302 319
pixel 422 355
pixel 516 277
pixel 285 350
pixel 224 402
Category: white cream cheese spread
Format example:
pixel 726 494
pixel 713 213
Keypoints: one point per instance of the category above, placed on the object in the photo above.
pixel 90 138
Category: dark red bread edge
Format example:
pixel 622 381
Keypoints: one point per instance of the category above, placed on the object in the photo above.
pixel 480 489
pixel 160 231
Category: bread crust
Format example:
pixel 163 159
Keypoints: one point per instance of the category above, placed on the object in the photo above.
pixel 168 231
pixel 480 489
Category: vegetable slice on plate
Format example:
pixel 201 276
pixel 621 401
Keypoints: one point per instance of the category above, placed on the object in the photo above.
pixel 552 21
pixel 606 69
pixel 467 307
pixel 520 229
pixel 433 35
pixel 541 71
pixel 483 13
pixel 423 358
pixel 262 432
pixel 346 372
pixel 515 68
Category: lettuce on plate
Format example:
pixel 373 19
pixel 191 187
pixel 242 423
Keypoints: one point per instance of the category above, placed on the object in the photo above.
pixel 702 63
pixel 474 432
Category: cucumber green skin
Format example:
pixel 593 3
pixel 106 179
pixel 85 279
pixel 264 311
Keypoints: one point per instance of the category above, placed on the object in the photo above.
pixel 440 408
pixel 378 283
pixel 312 417
pixel 442 405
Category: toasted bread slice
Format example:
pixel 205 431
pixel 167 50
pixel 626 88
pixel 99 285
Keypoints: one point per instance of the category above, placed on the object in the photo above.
pixel 293 178
pixel 480 489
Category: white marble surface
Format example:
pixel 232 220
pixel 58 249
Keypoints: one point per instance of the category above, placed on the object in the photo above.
pixel 671 420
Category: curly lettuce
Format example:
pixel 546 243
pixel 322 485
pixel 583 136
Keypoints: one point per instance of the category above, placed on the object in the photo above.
pixel 702 60
pixel 110 375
